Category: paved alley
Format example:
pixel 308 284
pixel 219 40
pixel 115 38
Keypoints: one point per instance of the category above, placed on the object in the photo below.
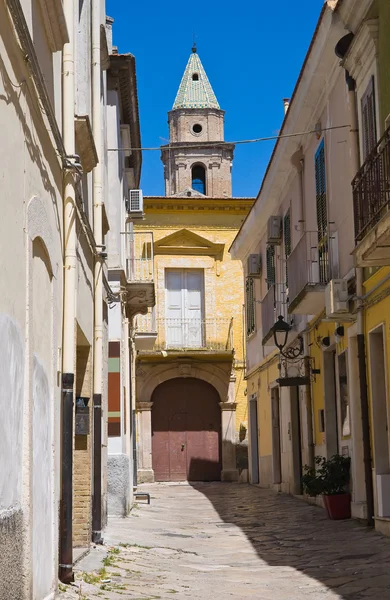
pixel 233 541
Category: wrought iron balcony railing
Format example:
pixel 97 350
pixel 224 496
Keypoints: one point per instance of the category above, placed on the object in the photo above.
pixel 139 262
pixel 371 188
pixel 194 334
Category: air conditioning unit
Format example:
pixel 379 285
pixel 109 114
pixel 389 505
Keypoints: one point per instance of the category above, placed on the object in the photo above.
pixel 274 230
pixel 337 299
pixel 135 204
pixel 254 265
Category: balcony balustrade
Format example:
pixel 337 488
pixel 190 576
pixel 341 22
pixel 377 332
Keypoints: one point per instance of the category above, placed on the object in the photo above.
pixel 195 334
pixel 310 267
pixel 371 200
pixel 139 272
pixel 145 330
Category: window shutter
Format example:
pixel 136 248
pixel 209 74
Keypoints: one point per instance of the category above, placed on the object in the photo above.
pixel 322 214
pixel 250 306
pixel 287 239
pixel 369 119
pixel 320 173
pixel 270 266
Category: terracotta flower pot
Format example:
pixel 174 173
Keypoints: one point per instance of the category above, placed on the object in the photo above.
pixel 338 507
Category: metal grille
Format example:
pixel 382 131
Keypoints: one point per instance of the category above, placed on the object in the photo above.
pixel 287 239
pixel 322 213
pixel 250 306
pixel 271 276
pixel 371 188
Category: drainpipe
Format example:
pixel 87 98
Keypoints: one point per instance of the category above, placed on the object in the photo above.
pixel 98 275
pixel 361 342
pixel 69 317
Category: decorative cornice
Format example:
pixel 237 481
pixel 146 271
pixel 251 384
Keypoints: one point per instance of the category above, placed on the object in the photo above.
pixel 231 205
pixel 363 50
pixel 54 19
pixel 186 242
pixel 228 406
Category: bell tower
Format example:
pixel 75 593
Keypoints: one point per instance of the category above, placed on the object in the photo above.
pixel 197 160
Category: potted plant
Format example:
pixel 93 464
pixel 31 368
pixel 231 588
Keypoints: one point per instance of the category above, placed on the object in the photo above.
pixel 330 479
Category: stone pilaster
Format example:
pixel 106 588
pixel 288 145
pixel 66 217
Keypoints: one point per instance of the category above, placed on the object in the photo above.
pixel 144 454
pixel 228 419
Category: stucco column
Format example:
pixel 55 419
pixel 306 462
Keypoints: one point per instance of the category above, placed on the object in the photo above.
pixel 144 453
pixel 228 417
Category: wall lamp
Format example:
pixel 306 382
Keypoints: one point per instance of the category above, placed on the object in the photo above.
pixel 281 330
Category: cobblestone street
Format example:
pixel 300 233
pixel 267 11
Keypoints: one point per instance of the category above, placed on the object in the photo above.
pixel 228 540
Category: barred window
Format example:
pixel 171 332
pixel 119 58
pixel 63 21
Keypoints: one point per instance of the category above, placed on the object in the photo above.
pixel 250 306
pixel 287 239
pixel 271 275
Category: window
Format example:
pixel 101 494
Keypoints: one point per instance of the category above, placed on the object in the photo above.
pixel 270 258
pixel 287 239
pixel 195 77
pixel 369 119
pixel 250 305
pixel 184 308
pixel 322 214
pixel 199 179
pixel 197 128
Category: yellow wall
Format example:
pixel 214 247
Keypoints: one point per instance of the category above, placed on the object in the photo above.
pixel 259 383
pixel 376 314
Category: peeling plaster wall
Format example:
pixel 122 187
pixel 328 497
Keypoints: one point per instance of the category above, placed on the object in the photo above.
pixel 11 430
pixel 31 185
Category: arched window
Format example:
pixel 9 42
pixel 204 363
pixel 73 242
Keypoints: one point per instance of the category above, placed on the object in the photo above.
pixel 199 179
pixel 195 77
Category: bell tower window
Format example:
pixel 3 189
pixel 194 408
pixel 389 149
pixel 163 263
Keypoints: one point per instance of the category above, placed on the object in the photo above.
pixel 199 179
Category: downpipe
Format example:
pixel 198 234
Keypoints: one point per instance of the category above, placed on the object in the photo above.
pixel 98 275
pixel 69 307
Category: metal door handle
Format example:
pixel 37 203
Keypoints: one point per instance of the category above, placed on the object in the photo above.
pixel 182 447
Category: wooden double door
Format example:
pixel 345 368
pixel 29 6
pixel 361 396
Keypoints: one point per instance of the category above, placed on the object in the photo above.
pixel 186 431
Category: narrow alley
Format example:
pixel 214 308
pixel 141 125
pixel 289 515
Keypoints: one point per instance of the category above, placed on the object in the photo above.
pixel 218 540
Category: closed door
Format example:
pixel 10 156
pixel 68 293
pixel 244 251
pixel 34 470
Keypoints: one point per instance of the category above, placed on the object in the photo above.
pixel 184 308
pixel 276 450
pixel 254 439
pixel 186 431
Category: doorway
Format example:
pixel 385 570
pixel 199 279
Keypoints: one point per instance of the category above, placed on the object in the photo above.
pixel 296 440
pixel 276 450
pixel 186 431
pixel 330 394
pixel 254 440
pixel 378 383
pixel 185 326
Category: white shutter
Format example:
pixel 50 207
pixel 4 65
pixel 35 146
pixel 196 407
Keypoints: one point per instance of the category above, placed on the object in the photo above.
pixel 194 329
pixel 174 308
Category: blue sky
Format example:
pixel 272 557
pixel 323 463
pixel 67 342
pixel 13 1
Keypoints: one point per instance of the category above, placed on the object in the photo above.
pixel 252 53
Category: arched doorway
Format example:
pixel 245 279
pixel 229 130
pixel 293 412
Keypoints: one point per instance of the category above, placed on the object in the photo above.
pixel 186 431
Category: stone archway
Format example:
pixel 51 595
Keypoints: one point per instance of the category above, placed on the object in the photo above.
pixel 149 375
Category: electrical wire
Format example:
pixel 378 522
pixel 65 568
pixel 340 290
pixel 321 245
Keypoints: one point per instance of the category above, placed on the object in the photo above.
pixel 222 144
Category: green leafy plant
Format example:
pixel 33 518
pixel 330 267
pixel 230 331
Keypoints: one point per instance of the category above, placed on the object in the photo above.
pixel 329 477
